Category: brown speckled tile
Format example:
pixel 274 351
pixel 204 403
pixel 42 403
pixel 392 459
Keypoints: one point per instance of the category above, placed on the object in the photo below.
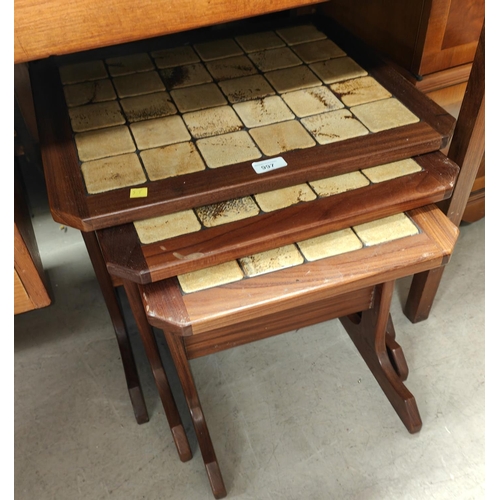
pixel 268 60
pixel 185 76
pixel 300 34
pixel 392 170
pixel 222 274
pixel 386 229
pixel 312 101
pixel 260 41
pixel 227 211
pixel 271 260
pixel 89 92
pixel 320 50
pixel 246 88
pixel 213 121
pixel 104 142
pixel 286 80
pixel 231 67
pixel 218 49
pixel 177 56
pixel 360 91
pixel 280 137
pixel 125 65
pixel 147 107
pixel 337 70
pixel 263 111
pixel 95 116
pixel 198 97
pixel 228 149
pixel 334 126
pixel 138 84
pixel 166 226
pixel 82 72
pixel 112 173
pixel 172 161
pixel 384 114
pixel 285 197
pixel 330 244
pixel 339 184
pixel 159 132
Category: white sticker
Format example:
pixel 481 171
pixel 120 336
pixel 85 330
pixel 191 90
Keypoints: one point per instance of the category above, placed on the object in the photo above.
pixel 266 165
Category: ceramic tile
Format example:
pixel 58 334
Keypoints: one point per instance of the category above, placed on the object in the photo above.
pixel 104 142
pixel 138 84
pixel 260 41
pixel 228 149
pixel 166 226
pixel 286 80
pixel 82 72
pixel 185 76
pixel 177 56
pixel 125 65
pixel 386 229
pixel 384 114
pixel 268 60
pixel 312 101
pixel 263 111
pixel 213 121
pixel 89 92
pixel 222 274
pixel 159 132
pixel 227 211
pixel 218 49
pixel 112 173
pixel 198 97
pixel 271 260
pixel 147 107
pixel 337 70
pixel 95 116
pixel 331 244
pixel 172 161
pixel 285 197
pixel 300 34
pixel 334 126
pixel 231 67
pixel 246 88
pixel 360 91
pixel 392 170
pixel 339 184
pixel 320 50
pixel 280 137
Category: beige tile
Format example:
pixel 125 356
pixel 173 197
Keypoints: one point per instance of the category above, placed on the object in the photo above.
pixel 227 211
pixel 339 184
pixel 159 132
pixel 112 173
pixel 172 161
pixel 166 226
pixel 222 274
pixel 312 101
pixel 246 88
pixel 334 126
pixel 94 116
pixel 330 244
pixel 360 91
pixel 138 84
pixel 263 111
pixel 104 142
pixel 272 260
pixel 82 72
pixel 147 107
pixel 386 229
pixel 89 92
pixel 177 56
pixel 213 121
pixel 185 76
pixel 268 60
pixel 231 67
pixel 198 97
pixel 260 41
pixel 228 149
pixel 384 114
pixel 300 34
pixel 321 50
pixel 280 137
pixel 337 70
pixel 285 197
pixel 392 170
pixel 125 65
pixel 286 80
pixel 218 49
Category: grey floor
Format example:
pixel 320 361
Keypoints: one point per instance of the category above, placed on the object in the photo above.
pixel 298 416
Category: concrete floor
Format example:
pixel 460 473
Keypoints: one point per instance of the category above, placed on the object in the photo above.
pixel 298 416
